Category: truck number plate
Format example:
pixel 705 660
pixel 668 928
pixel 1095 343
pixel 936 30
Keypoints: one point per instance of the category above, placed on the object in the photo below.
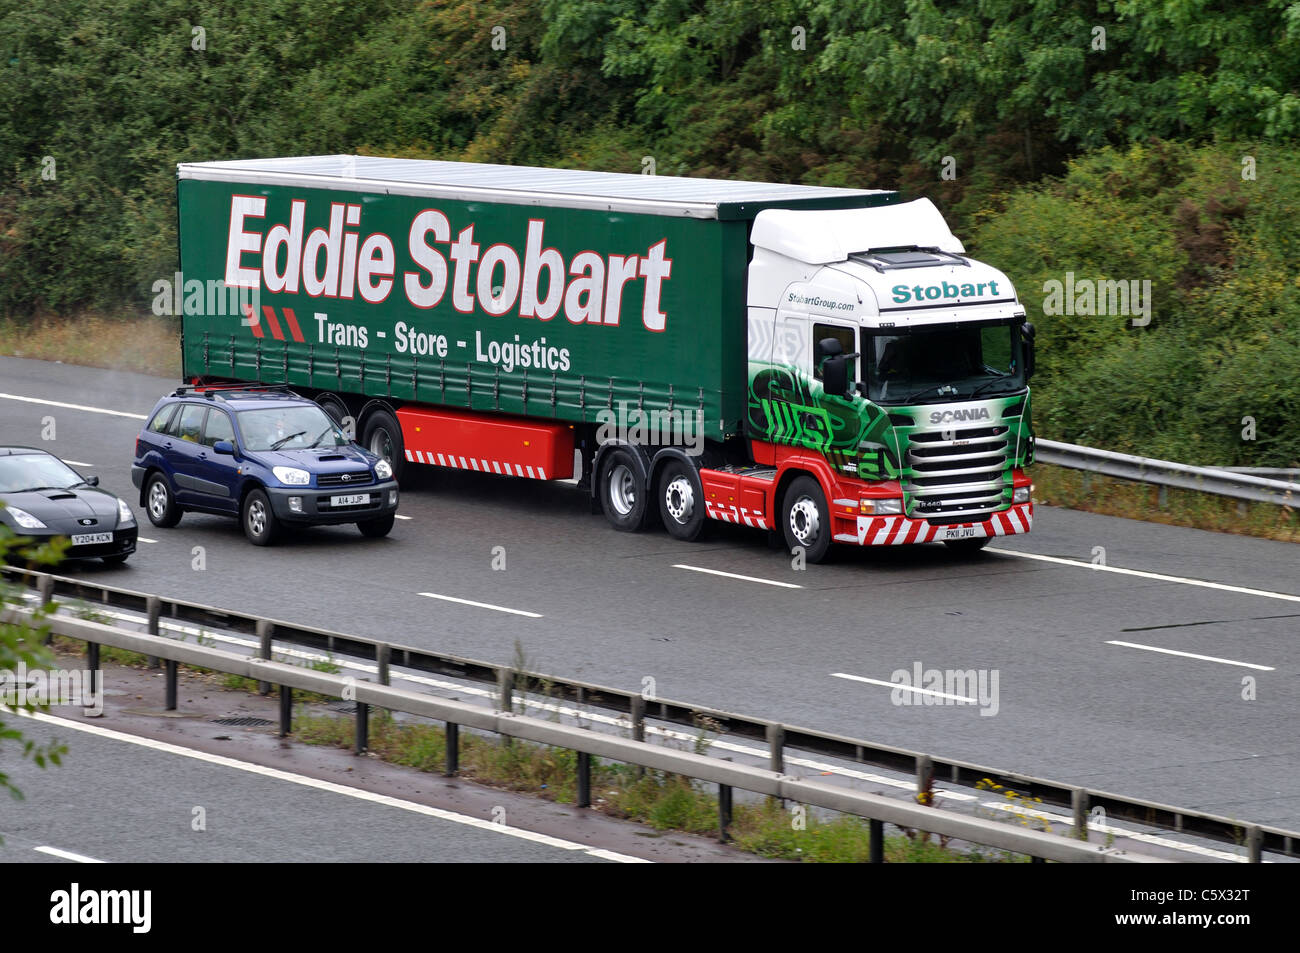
pixel 356 499
pixel 963 532
pixel 89 539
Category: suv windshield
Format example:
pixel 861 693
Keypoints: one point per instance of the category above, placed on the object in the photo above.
pixel 290 427
pixel 30 471
pixel 942 362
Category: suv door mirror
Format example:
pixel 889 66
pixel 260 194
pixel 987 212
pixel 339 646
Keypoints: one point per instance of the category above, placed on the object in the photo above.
pixel 223 446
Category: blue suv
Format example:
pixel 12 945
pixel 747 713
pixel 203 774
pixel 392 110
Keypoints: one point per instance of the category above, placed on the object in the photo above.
pixel 268 456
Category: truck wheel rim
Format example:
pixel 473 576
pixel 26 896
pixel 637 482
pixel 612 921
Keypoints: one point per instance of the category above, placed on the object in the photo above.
pixel 257 517
pixel 157 500
pixel 805 521
pixel 381 445
pixel 622 490
pixel 680 500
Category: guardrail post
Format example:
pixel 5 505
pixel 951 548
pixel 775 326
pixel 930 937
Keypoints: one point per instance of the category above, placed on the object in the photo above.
pixel 363 727
pixel 1162 497
pixel 382 653
pixel 153 610
pixel 1079 805
pixel 584 780
pixel 286 710
pixel 453 749
pixel 636 711
pixel 92 663
pixel 924 779
pixel 776 748
pixel 1254 844
pixel 171 669
pixel 724 812
pixel 264 633
pixel 505 689
pixel 876 849
pixel 1037 860
pixel 45 588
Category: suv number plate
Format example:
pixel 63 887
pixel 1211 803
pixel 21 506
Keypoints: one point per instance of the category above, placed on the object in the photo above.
pixel 356 499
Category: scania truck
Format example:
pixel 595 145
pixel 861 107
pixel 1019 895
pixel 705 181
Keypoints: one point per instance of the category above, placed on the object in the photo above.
pixel 824 363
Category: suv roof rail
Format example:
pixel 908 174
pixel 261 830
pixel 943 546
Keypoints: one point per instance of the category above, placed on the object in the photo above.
pixel 223 391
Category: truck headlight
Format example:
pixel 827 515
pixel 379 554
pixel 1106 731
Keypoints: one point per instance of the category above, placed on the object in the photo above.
pixel 383 470
pixel 24 519
pixel 124 515
pixel 887 507
pixel 1021 494
pixel 291 476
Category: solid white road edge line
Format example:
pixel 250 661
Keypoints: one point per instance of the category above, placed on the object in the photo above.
pixel 906 688
pixel 68 855
pixel 1159 577
pixel 482 605
pixel 733 575
pixel 1203 658
pixel 59 403
pixel 333 787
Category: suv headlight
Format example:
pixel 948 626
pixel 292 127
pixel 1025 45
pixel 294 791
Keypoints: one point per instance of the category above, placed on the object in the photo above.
pixel 291 476
pixel 124 514
pixel 24 519
pixel 383 470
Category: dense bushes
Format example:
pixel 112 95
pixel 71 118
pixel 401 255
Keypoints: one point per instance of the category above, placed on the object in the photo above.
pixel 1147 97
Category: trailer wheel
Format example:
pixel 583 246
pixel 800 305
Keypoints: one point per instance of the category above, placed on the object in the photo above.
pixel 681 501
pixel 967 546
pixel 382 436
pixel 622 491
pixel 805 520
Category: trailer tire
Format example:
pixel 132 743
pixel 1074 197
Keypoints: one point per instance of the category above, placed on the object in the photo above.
pixel 681 501
pixel 805 519
pixel 382 436
pixel 622 490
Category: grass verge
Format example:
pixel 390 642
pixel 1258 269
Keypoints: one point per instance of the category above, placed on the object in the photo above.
pixel 663 801
pixel 122 342
pixel 1078 490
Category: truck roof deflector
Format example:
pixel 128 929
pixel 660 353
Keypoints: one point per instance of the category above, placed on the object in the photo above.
pixel 823 237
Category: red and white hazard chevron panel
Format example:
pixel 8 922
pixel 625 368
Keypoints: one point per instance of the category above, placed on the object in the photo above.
pixel 736 498
pixel 487 443
pixel 898 530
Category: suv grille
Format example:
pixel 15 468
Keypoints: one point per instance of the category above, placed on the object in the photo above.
pixel 353 478
pixel 958 475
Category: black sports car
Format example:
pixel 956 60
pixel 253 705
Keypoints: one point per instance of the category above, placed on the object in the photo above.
pixel 42 497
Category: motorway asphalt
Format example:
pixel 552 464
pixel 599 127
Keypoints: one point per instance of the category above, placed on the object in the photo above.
pixel 615 608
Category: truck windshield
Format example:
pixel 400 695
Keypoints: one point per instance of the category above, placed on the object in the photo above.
pixel 942 362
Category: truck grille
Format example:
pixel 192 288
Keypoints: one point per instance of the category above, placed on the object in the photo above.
pixel 354 478
pixel 957 475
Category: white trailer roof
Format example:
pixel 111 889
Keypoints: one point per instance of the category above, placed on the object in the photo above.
pixel 528 185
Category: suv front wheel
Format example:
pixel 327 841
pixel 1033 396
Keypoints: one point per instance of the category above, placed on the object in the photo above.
pixel 260 523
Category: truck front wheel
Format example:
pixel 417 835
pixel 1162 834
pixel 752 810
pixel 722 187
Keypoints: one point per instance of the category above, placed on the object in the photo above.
pixel 805 519
pixel 622 491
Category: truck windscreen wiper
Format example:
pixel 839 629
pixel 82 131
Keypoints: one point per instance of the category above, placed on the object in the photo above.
pixel 987 384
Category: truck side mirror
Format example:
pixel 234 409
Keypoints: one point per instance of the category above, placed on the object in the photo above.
pixel 835 378
pixel 1027 333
